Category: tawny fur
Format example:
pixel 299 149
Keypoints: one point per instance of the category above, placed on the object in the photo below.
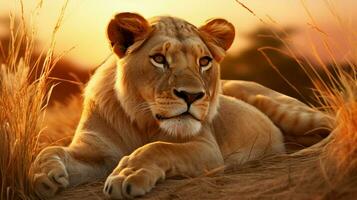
pixel 120 135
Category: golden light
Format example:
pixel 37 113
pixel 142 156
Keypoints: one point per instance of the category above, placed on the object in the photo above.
pixel 85 21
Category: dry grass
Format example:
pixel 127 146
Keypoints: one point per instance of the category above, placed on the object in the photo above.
pixel 21 106
pixel 327 170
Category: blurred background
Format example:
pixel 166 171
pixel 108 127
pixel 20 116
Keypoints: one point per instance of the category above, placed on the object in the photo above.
pixel 268 49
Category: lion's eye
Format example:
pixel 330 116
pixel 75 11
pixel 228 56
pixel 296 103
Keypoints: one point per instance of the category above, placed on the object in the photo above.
pixel 158 60
pixel 205 62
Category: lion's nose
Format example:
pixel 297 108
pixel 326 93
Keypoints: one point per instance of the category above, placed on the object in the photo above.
pixel 189 97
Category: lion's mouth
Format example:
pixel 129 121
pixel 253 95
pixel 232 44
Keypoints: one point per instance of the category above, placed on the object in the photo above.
pixel 182 115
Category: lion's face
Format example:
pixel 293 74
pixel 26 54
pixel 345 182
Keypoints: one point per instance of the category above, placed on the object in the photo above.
pixel 172 66
pixel 182 78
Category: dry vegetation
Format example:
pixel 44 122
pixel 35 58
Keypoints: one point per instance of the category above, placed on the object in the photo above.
pixel 327 170
pixel 22 105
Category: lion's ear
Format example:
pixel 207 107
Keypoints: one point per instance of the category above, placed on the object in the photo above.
pixel 125 29
pixel 218 35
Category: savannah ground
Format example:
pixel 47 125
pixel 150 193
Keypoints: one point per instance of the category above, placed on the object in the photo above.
pixel 31 120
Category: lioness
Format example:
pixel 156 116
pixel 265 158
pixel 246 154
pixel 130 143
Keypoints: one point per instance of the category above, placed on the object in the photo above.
pixel 159 109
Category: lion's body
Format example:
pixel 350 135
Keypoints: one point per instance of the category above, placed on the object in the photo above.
pixel 233 127
pixel 127 113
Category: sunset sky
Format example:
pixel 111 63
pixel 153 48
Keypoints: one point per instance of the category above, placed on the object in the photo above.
pixel 85 20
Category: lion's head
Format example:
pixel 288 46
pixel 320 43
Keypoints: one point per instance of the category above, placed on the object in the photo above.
pixel 169 69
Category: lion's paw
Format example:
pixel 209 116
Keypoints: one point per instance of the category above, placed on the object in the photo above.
pixel 49 175
pixel 131 182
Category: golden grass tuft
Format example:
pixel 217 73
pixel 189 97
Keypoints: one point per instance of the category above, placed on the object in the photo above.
pixel 19 127
pixel 21 105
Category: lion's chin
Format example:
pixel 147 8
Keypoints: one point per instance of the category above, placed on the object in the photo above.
pixel 182 127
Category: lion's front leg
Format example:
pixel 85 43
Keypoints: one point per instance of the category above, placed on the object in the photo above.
pixel 58 167
pixel 138 173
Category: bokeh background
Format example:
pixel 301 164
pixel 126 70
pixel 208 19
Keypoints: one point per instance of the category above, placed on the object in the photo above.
pixel 262 39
